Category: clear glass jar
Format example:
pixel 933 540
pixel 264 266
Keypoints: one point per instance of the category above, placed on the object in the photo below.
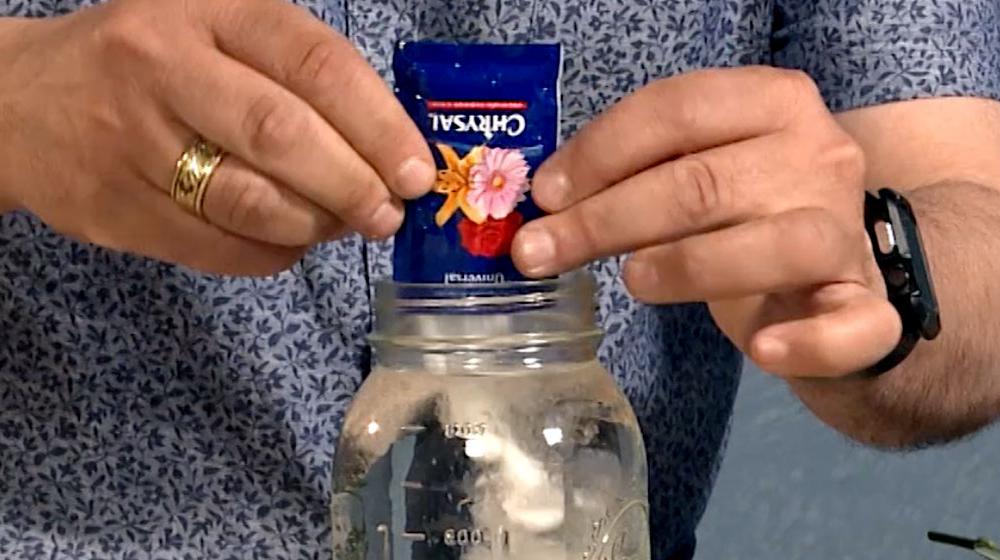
pixel 489 431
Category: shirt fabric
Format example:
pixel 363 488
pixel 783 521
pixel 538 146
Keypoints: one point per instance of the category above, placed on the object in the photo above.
pixel 148 411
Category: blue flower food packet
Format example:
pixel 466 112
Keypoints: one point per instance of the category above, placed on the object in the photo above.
pixel 491 116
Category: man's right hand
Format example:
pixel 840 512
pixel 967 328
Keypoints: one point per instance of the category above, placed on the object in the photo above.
pixel 96 107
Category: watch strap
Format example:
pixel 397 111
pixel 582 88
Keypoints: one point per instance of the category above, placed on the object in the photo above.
pixel 905 271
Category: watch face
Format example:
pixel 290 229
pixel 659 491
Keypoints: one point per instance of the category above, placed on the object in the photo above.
pixel 915 296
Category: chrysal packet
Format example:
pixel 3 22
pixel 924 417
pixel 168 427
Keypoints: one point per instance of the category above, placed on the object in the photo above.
pixel 491 116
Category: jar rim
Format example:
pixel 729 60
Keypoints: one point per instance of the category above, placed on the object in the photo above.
pixel 486 315
pixel 524 294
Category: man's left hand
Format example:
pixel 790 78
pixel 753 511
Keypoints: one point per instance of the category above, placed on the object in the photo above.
pixel 736 187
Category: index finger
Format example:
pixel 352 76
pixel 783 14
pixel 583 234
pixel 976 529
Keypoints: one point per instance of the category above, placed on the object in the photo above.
pixel 667 119
pixel 322 67
pixel 714 189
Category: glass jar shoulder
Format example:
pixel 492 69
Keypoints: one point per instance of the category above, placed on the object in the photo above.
pixel 564 406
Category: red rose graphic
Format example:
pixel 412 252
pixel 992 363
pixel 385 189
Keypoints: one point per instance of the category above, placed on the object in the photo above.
pixel 492 238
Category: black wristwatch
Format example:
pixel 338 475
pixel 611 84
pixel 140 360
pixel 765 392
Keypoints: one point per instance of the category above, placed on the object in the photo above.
pixel 899 253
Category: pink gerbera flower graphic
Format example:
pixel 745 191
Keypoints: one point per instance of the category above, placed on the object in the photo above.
pixel 498 182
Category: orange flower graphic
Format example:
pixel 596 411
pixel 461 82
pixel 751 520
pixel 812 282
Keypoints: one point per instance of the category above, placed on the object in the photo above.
pixel 453 182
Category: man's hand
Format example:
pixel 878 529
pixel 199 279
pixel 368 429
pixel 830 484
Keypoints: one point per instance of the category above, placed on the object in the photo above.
pixel 96 107
pixel 735 187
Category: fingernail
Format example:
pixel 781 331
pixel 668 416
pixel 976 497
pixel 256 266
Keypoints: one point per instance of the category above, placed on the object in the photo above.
pixel 769 349
pixel 536 251
pixel 414 178
pixel 551 189
pixel 386 219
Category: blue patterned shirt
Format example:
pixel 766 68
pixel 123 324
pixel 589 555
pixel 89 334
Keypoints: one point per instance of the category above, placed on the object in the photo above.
pixel 149 412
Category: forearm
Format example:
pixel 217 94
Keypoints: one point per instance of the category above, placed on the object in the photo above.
pixel 951 386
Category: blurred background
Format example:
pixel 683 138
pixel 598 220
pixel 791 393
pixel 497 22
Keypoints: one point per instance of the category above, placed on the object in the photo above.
pixel 790 488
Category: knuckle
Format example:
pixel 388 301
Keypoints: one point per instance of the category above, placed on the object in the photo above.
pixel 318 62
pixel 846 160
pixel 272 128
pixel 697 190
pixel 797 83
pixel 796 79
pixel 591 229
pixel 362 192
pixel 798 90
pixel 686 107
pixel 704 79
pixel 685 116
pixel 127 36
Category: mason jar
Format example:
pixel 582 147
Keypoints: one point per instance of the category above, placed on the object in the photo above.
pixel 488 430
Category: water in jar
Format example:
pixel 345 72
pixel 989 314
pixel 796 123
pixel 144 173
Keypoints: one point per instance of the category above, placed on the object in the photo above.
pixel 500 465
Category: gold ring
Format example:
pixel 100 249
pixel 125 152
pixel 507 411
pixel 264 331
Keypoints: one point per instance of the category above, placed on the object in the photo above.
pixel 194 171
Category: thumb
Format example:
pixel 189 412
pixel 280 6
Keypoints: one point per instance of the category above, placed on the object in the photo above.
pixel 856 332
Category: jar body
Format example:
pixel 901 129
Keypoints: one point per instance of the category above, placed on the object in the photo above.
pixel 504 461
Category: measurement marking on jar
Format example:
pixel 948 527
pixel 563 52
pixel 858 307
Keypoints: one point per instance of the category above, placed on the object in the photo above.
pixel 416 537
pixel 464 537
pixel 501 548
pixel 464 430
pixel 413 429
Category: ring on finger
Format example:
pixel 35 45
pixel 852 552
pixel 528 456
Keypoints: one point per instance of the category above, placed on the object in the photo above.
pixel 193 172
